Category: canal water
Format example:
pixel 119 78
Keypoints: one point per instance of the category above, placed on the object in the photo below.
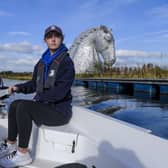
pixel 149 114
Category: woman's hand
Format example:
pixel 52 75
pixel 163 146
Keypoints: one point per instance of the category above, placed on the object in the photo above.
pixel 12 89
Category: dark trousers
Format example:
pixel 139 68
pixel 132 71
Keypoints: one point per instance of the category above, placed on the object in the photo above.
pixel 23 112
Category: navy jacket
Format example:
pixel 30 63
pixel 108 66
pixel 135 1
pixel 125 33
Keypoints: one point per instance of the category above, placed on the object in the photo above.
pixel 60 94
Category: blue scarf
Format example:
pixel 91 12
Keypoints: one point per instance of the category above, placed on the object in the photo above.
pixel 47 58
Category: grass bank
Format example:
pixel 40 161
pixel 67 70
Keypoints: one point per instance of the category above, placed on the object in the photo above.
pixel 147 71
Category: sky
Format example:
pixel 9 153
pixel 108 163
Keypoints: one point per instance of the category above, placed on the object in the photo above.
pixel 140 28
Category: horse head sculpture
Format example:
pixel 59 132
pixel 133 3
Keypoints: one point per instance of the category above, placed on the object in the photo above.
pixel 94 46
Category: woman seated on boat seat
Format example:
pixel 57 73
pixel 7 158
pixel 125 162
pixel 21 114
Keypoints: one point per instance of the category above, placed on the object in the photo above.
pixel 52 80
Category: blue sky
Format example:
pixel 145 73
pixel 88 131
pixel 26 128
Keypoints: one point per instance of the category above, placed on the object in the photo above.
pixel 140 28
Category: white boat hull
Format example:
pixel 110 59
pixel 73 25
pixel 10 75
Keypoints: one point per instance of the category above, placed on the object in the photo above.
pixel 92 138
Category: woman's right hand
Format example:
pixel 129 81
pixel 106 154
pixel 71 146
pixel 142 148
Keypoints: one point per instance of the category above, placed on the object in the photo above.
pixel 12 89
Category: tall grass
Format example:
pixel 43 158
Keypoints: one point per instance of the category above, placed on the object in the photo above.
pixel 147 71
pixel 16 75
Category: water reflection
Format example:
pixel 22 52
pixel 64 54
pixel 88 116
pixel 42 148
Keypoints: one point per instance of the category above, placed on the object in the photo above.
pixel 139 110
pixel 150 114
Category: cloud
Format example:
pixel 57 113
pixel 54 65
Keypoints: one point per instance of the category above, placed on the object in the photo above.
pixel 4 13
pixel 135 53
pixel 90 10
pixel 107 3
pixel 17 64
pixel 157 36
pixel 21 63
pixel 22 47
pixel 19 57
pixel 26 61
pixel 138 58
pixel 159 12
pixel 89 4
pixel 19 33
pixel 157 33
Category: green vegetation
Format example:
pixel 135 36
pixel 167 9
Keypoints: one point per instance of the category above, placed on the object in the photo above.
pixel 147 71
pixel 16 75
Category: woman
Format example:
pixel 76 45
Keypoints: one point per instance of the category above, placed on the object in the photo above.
pixel 52 80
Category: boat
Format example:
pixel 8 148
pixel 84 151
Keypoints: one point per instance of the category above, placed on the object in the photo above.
pixel 3 90
pixel 96 141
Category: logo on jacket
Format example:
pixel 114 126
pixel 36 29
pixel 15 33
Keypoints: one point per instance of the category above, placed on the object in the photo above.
pixel 38 78
pixel 52 72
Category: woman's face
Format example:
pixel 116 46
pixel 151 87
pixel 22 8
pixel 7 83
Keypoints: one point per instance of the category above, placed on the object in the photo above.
pixel 53 40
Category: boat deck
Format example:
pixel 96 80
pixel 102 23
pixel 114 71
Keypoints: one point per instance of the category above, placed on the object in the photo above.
pixel 94 140
pixel 43 164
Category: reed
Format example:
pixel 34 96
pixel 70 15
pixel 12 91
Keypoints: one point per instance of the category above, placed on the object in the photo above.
pixel 147 71
pixel 16 75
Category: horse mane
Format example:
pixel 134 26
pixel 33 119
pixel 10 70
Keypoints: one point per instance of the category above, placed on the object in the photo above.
pixel 82 36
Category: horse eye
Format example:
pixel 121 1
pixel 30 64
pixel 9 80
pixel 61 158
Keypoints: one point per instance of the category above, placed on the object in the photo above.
pixel 105 30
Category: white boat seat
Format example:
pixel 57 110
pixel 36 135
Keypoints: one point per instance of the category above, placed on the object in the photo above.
pixel 65 135
pixel 59 140
pixel 68 128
